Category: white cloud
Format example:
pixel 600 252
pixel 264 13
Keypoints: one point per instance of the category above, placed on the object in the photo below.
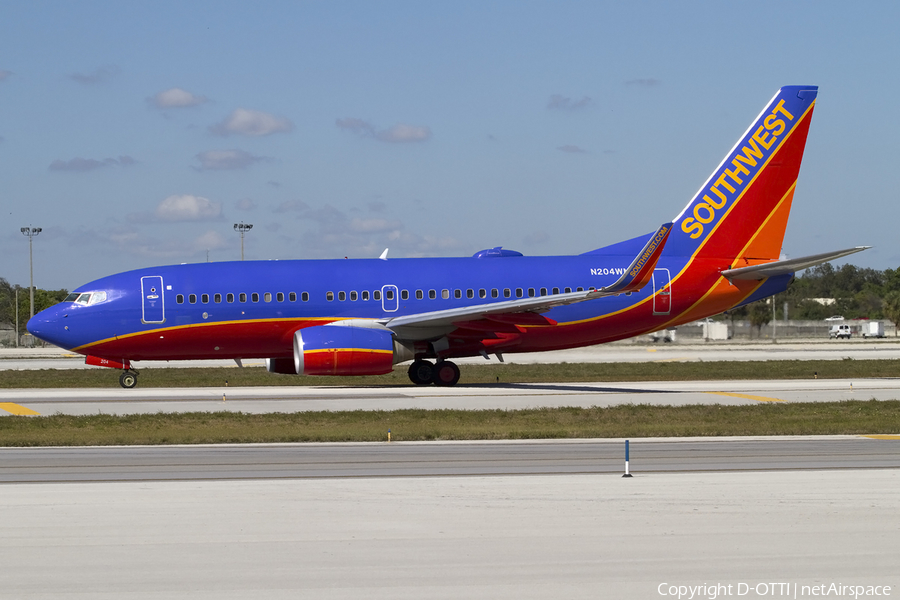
pixel 223 160
pixel 176 98
pixel 252 123
pixel 358 225
pixel 399 133
pixel 211 240
pixel 291 206
pixel 560 102
pixel 185 207
pixel 650 82
pixel 246 204
pixel 101 75
pixel 404 133
pixel 82 165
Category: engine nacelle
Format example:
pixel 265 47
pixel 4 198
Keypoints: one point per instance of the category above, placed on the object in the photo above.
pixel 334 350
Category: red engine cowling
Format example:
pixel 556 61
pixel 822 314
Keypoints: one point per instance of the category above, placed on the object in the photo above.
pixel 337 350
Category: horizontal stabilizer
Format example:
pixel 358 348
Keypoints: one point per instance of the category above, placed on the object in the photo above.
pixel 783 267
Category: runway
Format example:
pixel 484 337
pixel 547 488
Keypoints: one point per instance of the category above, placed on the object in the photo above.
pixel 389 521
pixel 439 459
pixel 467 397
pixel 499 520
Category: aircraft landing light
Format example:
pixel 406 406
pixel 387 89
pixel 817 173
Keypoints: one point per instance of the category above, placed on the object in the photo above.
pixel 747 396
pixel 16 409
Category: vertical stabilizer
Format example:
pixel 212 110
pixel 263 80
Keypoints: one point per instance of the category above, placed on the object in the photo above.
pixel 741 212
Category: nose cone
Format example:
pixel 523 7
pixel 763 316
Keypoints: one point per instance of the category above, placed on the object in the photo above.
pixel 50 325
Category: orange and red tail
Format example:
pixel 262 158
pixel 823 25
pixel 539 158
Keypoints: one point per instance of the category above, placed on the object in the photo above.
pixel 741 212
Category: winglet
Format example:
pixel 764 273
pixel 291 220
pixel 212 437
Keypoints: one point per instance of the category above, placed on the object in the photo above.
pixel 384 254
pixel 641 269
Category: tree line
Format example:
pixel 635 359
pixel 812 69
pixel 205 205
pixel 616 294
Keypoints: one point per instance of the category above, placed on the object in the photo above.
pixel 42 299
pixel 858 293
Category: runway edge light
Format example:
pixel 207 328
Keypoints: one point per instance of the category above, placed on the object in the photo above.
pixel 627 474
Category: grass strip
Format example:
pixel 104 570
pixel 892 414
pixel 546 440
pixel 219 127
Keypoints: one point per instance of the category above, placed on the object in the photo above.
pixel 471 374
pixel 639 420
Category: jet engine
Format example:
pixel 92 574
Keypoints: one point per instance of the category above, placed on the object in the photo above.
pixel 341 350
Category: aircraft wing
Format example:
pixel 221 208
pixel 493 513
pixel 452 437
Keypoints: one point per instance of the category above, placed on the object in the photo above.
pixel 526 311
pixel 783 267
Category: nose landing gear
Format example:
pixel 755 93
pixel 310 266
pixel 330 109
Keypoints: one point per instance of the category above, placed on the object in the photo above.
pixel 128 379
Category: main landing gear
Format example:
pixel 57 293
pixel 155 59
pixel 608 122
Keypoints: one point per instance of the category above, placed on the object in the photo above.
pixel 128 379
pixel 423 372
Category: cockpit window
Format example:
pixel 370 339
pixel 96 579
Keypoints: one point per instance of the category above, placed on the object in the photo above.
pixel 87 298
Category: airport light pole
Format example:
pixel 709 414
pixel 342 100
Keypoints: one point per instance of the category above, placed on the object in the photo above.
pixel 242 228
pixel 31 232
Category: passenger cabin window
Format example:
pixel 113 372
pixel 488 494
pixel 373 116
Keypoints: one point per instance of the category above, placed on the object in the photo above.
pixel 404 294
pixel 353 296
pixel 179 299
pixel 204 298
pixel 568 290
pixel 342 296
pixel 495 293
pixel 377 295
pixel 192 298
pixel 457 294
pixel 543 291
pixel 292 296
pixel 555 291
pixel 470 293
pixel 519 293
pixel 280 296
pixel 389 294
pixel 267 296
pixel 243 297
pixel 217 298
pixel 432 294
pixel 482 293
pixel 254 297
pixel 365 295
pixel 304 296
pixel 329 296
pixel 445 294
pixel 580 289
pixel 229 298
pixel 419 294
pixel 507 293
pixel 531 292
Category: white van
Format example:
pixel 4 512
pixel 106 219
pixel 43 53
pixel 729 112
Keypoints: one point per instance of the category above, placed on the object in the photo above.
pixel 840 331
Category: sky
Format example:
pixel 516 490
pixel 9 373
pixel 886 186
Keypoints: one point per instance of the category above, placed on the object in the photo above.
pixel 138 133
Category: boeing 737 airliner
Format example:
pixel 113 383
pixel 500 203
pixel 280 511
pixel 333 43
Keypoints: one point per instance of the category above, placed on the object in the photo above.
pixel 361 317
